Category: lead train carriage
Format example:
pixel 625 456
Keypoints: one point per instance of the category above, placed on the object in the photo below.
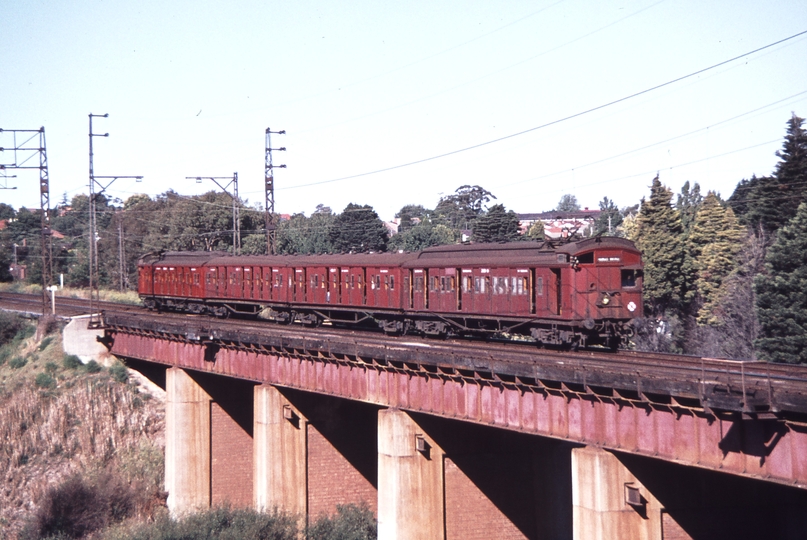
pixel 576 294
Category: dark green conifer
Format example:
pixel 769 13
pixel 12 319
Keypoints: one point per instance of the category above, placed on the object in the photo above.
pixel 771 201
pixel 498 225
pixel 659 238
pixel 782 295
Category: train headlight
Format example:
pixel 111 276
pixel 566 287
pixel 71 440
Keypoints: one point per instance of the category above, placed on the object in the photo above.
pixel 605 300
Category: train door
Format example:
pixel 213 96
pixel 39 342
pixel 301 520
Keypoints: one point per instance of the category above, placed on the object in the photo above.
pixel 277 285
pixel 392 287
pixel 210 282
pixel 520 303
pixel 466 301
pixel 246 289
pixel 420 294
pixel 556 292
pixel 500 291
pixel 298 285
pixel 344 286
pixel 332 296
pixel 373 292
pixel 317 282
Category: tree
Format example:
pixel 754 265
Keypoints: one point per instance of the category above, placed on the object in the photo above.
pixel 358 229
pixel 568 203
pixel 302 235
pixel 688 203
pixel 782 295
pixel 771 201
pixel 609 219
pixel 536 231
pixel 464 206
pixel 659 238
pixel 409 216
pixel 498 225
pixel 713 243
pixel 425 234
pixel 7 211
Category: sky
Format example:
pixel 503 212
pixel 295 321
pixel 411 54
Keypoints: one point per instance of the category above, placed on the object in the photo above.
pixel 395 103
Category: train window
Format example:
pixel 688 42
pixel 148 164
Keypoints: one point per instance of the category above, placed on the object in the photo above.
pixel 480 284
pixel 435 284
pixel 586 258
pixel 352 281
pixel 392 283
pixel 375 282
pixel 467 284
pixel 539 286
pixel 196 279
pixel 418 283
pixel 519 285
pixel 629 278
pixel 315 281
pixel 499 285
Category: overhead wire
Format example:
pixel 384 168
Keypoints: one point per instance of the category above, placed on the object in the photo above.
pixel 551 123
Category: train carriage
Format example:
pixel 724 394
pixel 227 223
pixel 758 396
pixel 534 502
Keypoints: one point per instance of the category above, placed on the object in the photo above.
pixel 574 294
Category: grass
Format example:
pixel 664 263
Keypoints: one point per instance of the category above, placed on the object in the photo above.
pixel 66 418
pixel 108 295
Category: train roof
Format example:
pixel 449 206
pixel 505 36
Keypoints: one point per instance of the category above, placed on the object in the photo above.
pixel 512 253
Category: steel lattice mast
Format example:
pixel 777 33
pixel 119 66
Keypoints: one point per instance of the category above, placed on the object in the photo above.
pixel 271 226
pixel 27 153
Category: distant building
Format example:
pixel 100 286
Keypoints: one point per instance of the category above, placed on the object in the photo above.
pixel 560 224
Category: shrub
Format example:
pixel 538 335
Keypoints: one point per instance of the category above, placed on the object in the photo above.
pixel 351 522
pixel 45 342
pixel 10 325
pixel 119 372
pixel 215 524
pixel 17 362
pixel 44 380
pixel 77 507
pixel 71 361
pixel 51 368
pixel 93 367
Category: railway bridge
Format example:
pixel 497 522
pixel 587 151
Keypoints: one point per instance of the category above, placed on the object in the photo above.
pixel 472 440
pixel 469 440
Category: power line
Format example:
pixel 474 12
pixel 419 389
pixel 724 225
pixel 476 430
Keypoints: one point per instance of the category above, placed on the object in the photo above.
pixel 553 122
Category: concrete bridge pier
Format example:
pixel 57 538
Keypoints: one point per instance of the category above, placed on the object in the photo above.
pixel 281 450
pixel 208 441
pixel 187 443
pixel 410 480
pixel 610 502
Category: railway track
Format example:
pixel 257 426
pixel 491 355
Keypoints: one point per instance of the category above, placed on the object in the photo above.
pixel 633 375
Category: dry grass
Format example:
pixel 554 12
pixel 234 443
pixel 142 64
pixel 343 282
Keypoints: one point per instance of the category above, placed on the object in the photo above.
pixel 108 295
pixel 78 424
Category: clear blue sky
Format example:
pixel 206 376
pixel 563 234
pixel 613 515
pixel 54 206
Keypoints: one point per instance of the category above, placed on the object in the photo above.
pixel 191 86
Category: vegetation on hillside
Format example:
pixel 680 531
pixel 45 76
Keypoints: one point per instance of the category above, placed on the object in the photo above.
pixel 702 253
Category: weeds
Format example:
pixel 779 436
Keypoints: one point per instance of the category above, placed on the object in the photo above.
pixel 351 522
pixel 71 361
pixel 44 380
pixel 17 362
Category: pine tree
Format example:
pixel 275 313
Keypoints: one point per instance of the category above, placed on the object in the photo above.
pixel 782 295
pixel 609 219
pixel 688 203
pixel 659 238
pixel 714 241
pixel 771 201
pixel 498 225
pixel 358 229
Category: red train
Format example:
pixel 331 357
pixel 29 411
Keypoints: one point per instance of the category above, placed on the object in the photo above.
pixel 575 294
